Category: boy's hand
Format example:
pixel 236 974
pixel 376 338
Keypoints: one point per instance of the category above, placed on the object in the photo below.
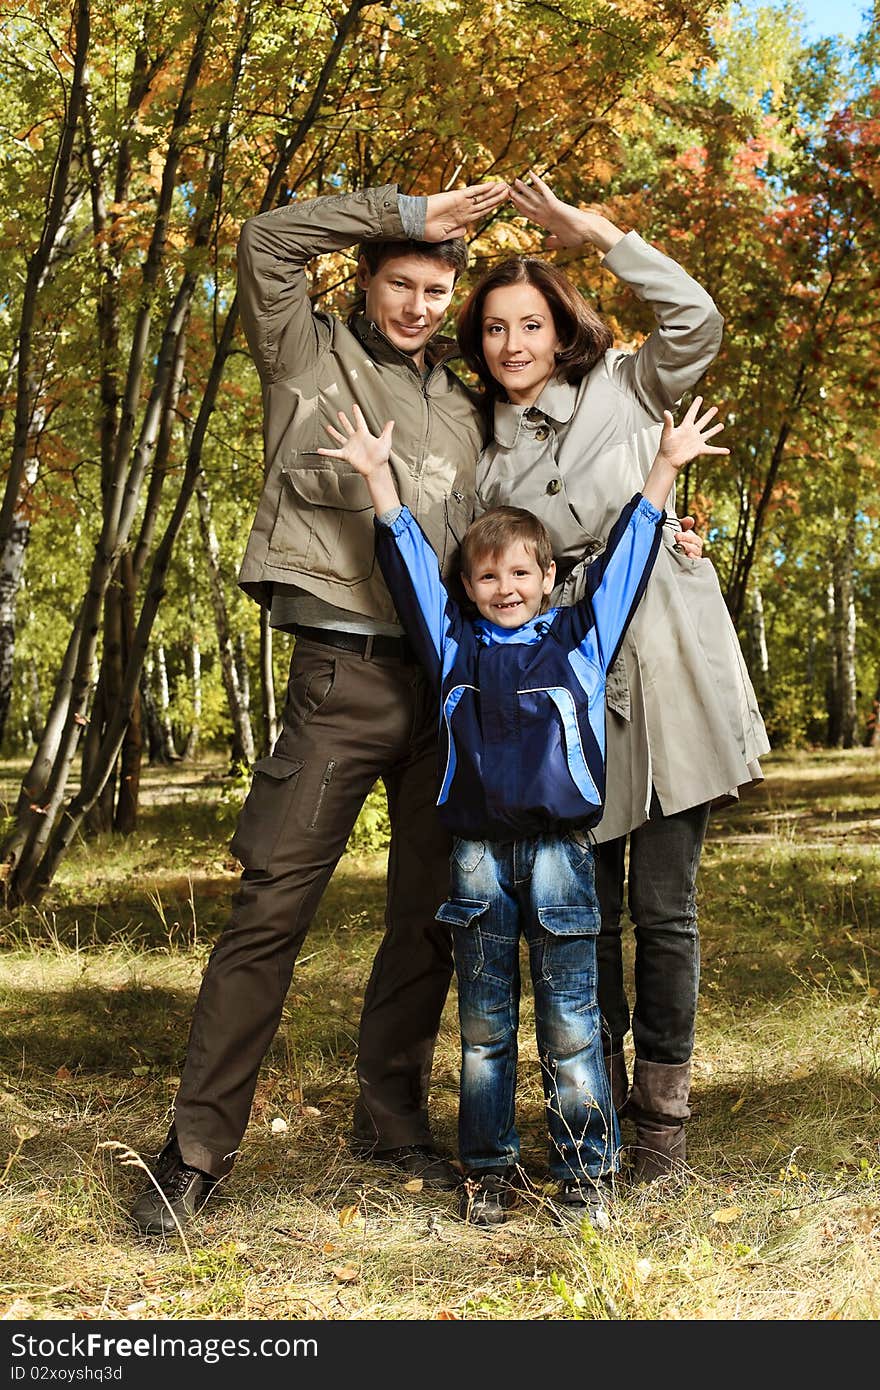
pixel 450 214
pixel 367 453
pixel 681 443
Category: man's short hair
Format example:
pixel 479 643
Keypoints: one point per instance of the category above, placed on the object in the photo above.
pixel 452 253
pixel 499 528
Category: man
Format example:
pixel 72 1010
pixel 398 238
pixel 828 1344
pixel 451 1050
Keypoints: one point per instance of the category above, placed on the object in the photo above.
pixel 358 705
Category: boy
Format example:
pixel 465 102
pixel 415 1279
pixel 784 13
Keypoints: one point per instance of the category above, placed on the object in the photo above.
pixel 522 747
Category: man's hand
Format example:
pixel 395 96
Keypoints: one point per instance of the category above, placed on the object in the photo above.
pixel 450 214
pixel 568 225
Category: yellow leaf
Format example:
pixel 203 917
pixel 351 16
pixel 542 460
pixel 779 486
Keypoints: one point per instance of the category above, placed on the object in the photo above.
pixel 724 1215
pixel 347 1215
pixel 446 1315
pixel 737 1105
pixel 346 1274
pixel 414 1185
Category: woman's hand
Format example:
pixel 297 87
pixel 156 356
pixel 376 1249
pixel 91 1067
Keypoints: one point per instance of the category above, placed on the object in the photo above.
pixel 688 541
pixel 450 214
pixel 568 225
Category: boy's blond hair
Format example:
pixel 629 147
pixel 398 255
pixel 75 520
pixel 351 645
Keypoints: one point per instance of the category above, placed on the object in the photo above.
pixel 501 527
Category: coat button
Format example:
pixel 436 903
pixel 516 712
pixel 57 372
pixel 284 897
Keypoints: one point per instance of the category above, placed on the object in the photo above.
pixel 554 486
pixel 533 413
pixel 541 432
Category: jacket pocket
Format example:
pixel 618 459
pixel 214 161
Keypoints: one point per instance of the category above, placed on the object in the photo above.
pixel 324 524
pixel 264 812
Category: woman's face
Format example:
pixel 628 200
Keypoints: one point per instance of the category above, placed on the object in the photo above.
pixel 519 341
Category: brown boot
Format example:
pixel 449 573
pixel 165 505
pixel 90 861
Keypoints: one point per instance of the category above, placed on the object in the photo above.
pixel 658 1103
pixel 615 1066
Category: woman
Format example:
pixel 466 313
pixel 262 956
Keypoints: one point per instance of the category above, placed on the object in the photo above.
pixel 576 425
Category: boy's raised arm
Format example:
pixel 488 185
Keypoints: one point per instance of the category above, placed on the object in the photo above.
pixel 408 563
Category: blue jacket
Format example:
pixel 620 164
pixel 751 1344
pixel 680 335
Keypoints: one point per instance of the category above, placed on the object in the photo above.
pixel 522 710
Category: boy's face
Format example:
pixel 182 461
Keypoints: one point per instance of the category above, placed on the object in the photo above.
pixel 509 588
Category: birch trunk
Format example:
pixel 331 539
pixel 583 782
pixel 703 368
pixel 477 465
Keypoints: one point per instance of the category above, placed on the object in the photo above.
pixel 267 683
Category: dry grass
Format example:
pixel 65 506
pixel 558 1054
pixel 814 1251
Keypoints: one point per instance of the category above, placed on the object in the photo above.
pixel 781 1220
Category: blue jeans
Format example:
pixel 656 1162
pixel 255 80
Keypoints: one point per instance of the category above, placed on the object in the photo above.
pixel 664 856
pixel 543 888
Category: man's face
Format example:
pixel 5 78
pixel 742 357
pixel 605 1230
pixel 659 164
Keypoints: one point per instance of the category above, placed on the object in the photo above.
pixel 407 298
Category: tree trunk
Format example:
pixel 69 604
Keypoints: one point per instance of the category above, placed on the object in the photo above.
pixel 125 818
pixel 845 633
pixel 150 713
pixel 242 733
pixel 267 683
pixel 872 729
pixel 760 660
pixel 11 566
pixel 834 730
pixel 169 752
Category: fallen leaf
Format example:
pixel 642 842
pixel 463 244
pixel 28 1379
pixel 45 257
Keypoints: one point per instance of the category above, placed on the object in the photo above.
pixel 346 1274
pixel 348 1215
pixel 64 1074
pixel 310 1110
pixel 737 1105
pixel 445 1315
pixel 278 1126
pixel 328 1248
pixel 724 1215
pixel 414 1185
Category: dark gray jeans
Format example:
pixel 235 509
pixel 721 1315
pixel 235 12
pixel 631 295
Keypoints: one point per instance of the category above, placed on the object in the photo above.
pixel 664 856
pixel 347 722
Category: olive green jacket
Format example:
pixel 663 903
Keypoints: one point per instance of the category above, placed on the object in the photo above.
pixel 681 711
pixel 314 523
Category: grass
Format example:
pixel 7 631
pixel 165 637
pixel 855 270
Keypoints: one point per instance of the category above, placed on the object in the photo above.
pixel 781 1220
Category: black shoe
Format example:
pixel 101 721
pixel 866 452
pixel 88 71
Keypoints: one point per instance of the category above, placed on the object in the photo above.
pixel 185 1190
pixel 583 1197
pixel 488 1196
pixel 419 1161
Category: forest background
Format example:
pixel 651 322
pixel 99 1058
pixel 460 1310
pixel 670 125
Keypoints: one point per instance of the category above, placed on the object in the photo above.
pixel 137 139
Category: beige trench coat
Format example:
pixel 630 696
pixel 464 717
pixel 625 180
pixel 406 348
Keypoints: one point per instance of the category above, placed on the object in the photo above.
pixel 681 713
pixel 314 522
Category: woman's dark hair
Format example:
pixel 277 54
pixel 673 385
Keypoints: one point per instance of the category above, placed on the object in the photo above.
pixel 583 335
pixel 452 253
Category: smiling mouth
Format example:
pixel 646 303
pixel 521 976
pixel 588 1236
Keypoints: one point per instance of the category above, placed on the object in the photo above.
pixel 410 329
pixel 514 366
pixel 515 603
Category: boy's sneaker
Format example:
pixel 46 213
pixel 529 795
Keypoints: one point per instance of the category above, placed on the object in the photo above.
pixel 182 1192
pixel 487 1196
pixel 582 1197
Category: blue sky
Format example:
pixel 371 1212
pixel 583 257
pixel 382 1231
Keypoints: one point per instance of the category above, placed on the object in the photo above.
pixel 834 16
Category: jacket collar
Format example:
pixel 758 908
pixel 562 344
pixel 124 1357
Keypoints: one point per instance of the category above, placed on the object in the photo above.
pixel 556 402
pixel 491 635
pixel 439 348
